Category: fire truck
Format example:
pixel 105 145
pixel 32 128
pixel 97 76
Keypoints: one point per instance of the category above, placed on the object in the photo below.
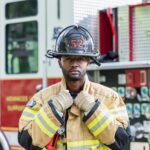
pixel 121 34
pixel 124 46
pixel 27 30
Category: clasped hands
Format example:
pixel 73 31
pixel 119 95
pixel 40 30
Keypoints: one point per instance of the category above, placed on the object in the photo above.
pixel 63 100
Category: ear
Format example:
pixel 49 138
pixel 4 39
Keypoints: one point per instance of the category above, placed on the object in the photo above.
pixel 89 60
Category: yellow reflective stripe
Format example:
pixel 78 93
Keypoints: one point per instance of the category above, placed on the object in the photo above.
pixel 105 148
pixel 59 145
pixel 82 143
pixel 30 110
pixel 99 148
pixel 102 127
pixel 28 114
pixel 102 148
pixel 59 142
pixel 42 127
pixel 47 120
pixel 95 121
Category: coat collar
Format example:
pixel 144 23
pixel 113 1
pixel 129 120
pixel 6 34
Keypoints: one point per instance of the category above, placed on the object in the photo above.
pixel 85 88
pixel 74 109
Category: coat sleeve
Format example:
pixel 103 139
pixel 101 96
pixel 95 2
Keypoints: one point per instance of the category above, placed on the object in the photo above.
pixel 38 123
pixel 105 124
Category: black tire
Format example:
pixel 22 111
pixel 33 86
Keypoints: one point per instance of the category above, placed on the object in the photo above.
pixel 1 148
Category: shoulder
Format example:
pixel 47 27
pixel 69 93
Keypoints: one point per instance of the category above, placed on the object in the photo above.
pixel 105 94
pixel 48 92
pixel 103 90
pixel 52 88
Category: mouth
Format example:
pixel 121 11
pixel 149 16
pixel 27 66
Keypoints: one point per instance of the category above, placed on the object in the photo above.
pixel 74 72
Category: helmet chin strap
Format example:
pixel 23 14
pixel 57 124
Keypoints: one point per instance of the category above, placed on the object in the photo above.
pixel 50 54
pixel 96 60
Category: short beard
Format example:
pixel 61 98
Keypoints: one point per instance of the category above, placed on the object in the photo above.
pixel 73 79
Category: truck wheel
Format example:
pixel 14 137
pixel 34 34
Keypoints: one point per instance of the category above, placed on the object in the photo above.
pixel 1 147
pixel 3 142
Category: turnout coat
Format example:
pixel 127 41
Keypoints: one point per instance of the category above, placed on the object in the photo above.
pixel 104 127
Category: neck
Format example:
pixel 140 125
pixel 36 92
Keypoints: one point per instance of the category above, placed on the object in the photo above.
pixel 75 86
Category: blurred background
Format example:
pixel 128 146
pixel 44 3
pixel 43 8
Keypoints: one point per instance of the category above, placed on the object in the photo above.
pixel 121 33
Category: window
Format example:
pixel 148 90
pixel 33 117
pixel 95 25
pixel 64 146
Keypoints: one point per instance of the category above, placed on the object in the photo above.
pixel 26 8
pixel 22 47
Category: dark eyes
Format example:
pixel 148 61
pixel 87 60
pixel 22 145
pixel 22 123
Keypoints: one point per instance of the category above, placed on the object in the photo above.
pixel 76 59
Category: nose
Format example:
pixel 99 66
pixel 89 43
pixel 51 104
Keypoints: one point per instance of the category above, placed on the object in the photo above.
pixel 74 62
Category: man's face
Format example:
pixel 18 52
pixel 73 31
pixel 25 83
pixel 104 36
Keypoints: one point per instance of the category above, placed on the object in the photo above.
pixel 74 67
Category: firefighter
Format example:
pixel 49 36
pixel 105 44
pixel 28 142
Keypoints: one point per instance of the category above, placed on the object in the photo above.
pixel 75 113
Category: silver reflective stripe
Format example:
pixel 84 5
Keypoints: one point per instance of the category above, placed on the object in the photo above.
pixel 28 114
pixel 79 148
pixel 44 123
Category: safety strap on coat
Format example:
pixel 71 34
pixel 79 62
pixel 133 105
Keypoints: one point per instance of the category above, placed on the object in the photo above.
pixel 52 144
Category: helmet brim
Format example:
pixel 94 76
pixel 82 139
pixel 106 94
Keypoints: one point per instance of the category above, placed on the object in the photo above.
pixel 95 57
pixel 55 54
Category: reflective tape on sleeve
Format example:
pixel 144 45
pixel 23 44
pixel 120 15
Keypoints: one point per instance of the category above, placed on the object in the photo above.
pixel 45 124
pixel 100 123
pixel 28 114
